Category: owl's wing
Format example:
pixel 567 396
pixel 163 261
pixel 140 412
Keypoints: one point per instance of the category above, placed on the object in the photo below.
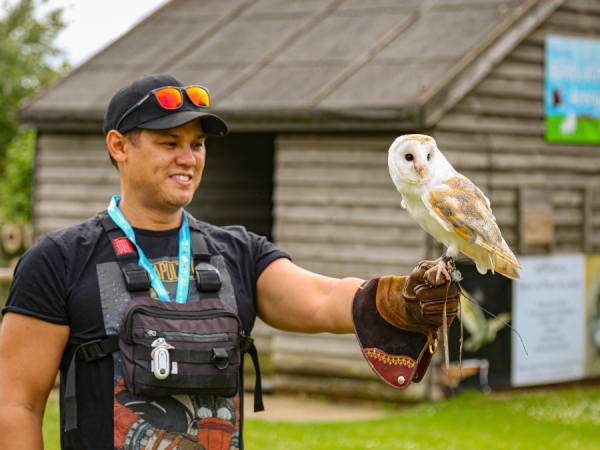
pixel 460 207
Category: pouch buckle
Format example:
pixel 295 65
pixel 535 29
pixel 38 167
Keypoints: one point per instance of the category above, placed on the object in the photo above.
pixel 245 343
pixel 220 354
pixel 208 278
pixel 91 351
pixel 136 278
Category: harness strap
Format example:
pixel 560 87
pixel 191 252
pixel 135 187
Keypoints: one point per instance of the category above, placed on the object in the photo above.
pixel 258 400
pixel 137 279
pixel 89 351
pixel 208 278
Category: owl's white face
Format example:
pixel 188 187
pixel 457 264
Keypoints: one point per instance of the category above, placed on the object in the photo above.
pixel 412 158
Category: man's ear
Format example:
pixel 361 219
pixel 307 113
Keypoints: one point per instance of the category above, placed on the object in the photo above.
pixel 117 145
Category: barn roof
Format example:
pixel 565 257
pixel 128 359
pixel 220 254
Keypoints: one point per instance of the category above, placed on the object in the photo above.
pixel 304 64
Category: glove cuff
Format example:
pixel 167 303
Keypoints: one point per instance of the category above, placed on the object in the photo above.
pixel 397 355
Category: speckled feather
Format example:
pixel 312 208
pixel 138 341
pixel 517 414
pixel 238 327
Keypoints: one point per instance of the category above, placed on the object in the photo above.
pixel 448 205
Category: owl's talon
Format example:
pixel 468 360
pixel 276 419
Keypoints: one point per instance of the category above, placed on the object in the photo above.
pixel 439 268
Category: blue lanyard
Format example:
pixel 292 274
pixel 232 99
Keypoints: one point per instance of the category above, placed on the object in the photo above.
pixel 183 281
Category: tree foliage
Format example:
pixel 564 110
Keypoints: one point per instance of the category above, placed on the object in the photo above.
pixel 29 60
pixel 15 186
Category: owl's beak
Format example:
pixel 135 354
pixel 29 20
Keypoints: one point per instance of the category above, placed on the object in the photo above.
pixel 421 171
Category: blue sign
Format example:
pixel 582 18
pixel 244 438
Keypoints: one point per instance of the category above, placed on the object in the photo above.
pixel 572 90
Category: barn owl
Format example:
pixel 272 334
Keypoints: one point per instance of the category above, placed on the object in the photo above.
pixel 448 206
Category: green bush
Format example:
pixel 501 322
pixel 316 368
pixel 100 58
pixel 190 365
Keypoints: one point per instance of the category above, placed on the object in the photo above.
pixel 15 184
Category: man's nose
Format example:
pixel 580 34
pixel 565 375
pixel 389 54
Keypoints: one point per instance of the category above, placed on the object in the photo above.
pixel 186 156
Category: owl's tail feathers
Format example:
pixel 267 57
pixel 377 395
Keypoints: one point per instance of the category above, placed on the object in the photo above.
pixel 494 261
pixel 499 249
pixel 506 262
pixel 506 268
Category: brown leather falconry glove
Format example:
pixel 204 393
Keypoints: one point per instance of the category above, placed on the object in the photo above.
pixel 396 320
pixel 414 303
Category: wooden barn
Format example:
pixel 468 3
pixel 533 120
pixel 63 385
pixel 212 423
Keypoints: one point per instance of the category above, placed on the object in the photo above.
pixel 314 92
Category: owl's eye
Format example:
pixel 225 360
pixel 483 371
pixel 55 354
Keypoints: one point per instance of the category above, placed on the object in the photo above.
pixel 428 157
pixel 409 157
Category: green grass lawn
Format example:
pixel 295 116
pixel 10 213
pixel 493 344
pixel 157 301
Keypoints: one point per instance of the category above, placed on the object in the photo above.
pixel 51 427
pixel 562 419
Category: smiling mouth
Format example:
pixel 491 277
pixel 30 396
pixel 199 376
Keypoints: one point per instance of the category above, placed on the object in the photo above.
pixel 182 177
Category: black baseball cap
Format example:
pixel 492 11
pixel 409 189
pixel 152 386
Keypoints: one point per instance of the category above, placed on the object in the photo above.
pixel 150 115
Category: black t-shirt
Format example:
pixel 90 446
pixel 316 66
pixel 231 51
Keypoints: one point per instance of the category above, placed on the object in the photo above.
pixel 71 277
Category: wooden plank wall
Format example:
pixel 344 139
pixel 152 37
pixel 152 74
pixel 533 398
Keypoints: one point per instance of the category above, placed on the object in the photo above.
pixel 495 136
pixel 73 180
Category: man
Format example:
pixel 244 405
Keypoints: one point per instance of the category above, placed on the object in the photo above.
pixel 68 290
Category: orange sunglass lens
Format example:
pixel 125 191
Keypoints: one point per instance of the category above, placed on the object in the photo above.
pixel 198 96
pixel 169 98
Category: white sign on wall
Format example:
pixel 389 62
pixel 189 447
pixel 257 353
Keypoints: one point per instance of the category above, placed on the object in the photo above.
pixel 549 312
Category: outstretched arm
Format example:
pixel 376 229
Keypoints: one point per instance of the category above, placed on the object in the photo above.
pixel 30 354
pixel 293 299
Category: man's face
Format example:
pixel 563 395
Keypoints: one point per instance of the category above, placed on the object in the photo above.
pixel 165 169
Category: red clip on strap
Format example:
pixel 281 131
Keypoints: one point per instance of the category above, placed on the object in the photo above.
pixel 123 245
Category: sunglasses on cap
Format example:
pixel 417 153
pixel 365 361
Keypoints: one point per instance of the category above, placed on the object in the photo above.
pixel 171 97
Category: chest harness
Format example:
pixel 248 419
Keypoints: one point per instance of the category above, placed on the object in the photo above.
pixel 169 348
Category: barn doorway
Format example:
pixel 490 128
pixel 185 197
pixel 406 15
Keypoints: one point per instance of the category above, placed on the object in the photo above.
pixel 237 183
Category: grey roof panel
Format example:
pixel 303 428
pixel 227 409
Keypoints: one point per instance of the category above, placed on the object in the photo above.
pixel 190 10
pixel 239 43
pixel 87 89
pixel 212 78
pixel 139 48
pixel 441 34
pixel 396 85
pixel 374 4
pixel 276 87
pixel 286 6
pixel 471 3
pixel 340 37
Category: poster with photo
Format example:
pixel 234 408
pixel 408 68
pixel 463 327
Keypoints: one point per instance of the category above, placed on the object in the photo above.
pixel 572 90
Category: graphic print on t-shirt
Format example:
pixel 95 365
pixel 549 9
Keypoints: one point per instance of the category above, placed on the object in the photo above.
pixel 182 422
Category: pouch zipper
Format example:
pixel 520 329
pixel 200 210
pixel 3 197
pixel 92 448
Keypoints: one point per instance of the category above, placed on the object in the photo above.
pixel 189 337
pixel 153 311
